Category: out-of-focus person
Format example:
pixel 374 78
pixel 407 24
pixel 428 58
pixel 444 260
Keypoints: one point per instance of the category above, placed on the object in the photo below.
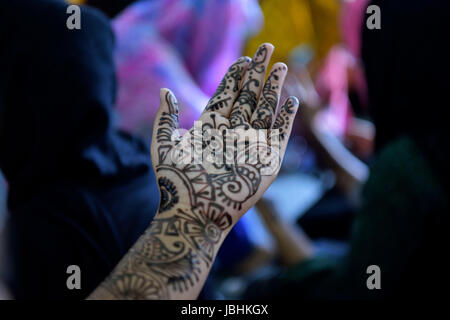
pixel 184 45
pixel 109 7
pixel 80 192
pixel 290 23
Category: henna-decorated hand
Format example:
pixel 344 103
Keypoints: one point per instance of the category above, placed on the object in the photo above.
pixel 213 179
pixel 208 178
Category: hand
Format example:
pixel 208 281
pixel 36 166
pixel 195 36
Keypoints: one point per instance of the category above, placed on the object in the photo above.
pixel 222 191
pixel 208 178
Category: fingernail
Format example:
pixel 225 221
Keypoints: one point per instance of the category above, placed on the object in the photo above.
pixel 174 103
pixel 162 94
pixel 295 100
pixel 167 96
pixel 293 105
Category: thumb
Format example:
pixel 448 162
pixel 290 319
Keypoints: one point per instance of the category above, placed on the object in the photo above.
pixel 166 122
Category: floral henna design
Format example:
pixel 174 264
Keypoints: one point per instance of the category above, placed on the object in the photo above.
pixel 133 285
pixel 169 194
pixel 283 121
pixel 203 233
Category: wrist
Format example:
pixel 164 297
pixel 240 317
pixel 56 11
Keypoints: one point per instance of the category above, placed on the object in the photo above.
pixel 203 228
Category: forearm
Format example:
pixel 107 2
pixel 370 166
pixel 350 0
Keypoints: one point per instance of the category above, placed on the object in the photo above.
pixel 170 261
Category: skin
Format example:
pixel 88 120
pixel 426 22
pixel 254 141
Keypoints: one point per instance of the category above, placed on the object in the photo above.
pixel 201 202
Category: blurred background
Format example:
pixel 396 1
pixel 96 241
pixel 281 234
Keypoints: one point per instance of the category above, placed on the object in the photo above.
pixel 187 46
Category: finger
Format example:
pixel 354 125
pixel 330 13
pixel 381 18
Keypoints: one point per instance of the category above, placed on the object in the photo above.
pixel 265 112
pixel 245 104
pixel 228 89
pixel 165 125
pixel 279 136
pixel 283 124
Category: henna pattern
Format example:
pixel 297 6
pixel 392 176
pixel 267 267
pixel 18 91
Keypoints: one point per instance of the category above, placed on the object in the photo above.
pixel 133 285
pixel 247 104
pixel 154 266
pixel 201 226
pixel 282 121
pixel 230 83
pixel 168 121
pixel 247 100
pixel 197 198
pixel 202 232
pixel 259 61
pixel 169 194
pixel 268 102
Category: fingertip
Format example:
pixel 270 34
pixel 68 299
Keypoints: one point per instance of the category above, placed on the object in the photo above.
pixel 268 45
pixel 168 99
pixel 245 61
pixel 291 105
pixel 295 101
pixel 265 47
pixel 162 94
pixel 163 91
